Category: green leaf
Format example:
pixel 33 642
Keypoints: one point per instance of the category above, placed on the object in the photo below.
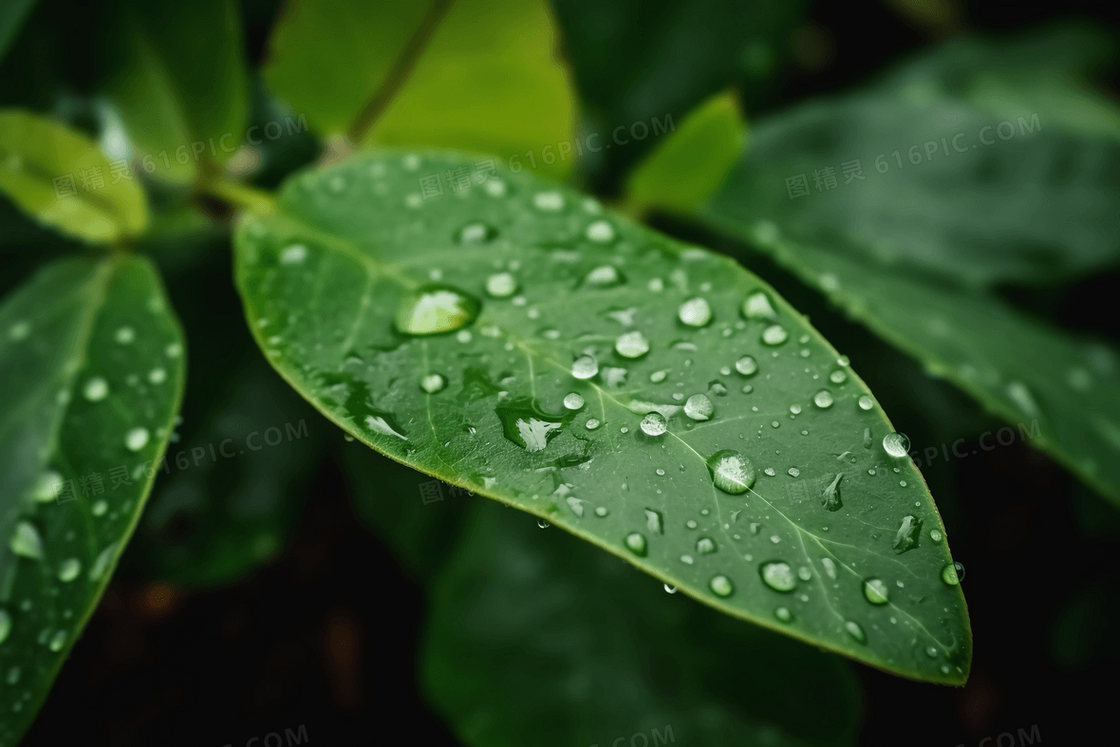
pixel 639 60
pixel 176 75
pixel 92 364
pixel 12 15
pixel 537 639
pixel 689 165
pixel 328 57
pixel 1061 394
pixel 44 167
pixel 369 300
pixel 977 194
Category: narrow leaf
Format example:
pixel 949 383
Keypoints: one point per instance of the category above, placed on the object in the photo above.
pixel 534 638
pixel 92 364
pixel 50 171
pixel 650 397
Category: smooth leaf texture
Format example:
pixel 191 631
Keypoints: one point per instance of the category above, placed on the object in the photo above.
pixel 924 172
pixel 489 80
pixel 44 163
pixel 689 165
pixel 369 300
pixel 176 75
pixel 535 638
pixel 12 15
pixel 1061 394
pixel 92 364
pixel 328 57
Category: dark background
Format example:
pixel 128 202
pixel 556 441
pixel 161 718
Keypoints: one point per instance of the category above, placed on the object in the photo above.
pixel 325 636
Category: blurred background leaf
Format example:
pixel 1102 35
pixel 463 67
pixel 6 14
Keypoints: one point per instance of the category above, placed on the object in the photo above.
pixel 12 15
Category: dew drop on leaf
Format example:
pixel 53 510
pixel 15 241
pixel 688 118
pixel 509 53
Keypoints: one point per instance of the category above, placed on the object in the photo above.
pixel 747 366
pixel 875 591
pixel 866 403
pixel 636 543
pixel 433 383
pixel 695 312
pixel 476 232
pixel 501 285
pixel 631 345
pixel 855 630
pixel 435 309
pixel 775 334
pixel 721 586
pixel 653 424
pixel 585 367
pixel 96 389
pixel 731 471
pixel 573 401
pixel 757 306
pixel 699 407
pixel 896 444
pixel 823 399
pixel 952 574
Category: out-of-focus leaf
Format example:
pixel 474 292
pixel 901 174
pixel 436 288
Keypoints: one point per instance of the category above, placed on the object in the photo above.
pixel 176 74
pixel 1061 394
pixel 916 173
pixel 489 81
pixel 92 364
pixel 12 15
pixel 535 638
pixel 616 382
pixel 329 57
pixel 690 164
pixel 60 177
pixel 636 60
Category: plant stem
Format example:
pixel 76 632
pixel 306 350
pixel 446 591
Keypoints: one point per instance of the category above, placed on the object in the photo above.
pixel 399 73
pixel 241 195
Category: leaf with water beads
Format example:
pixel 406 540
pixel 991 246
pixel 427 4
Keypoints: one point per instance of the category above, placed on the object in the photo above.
pixel 389 291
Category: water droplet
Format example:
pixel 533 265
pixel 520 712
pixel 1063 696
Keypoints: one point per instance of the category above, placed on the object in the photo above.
pixel 476 232
pixel 174 350
pixel 952 574
pixel 783 614
pixel 804 573
pixel 829 567
pixel 721 586
pixel 670 589
pixel 573 401
pixel 795 409
pixel 695 312
pixel 293 255
pixel 875 591
pixel 600 232
pixel 435 309
pixel 58 640
pixel 46 486
pixel 136 439
pixel 757 306
pixel 96 389
pixel 793 471
pixel 778 575
pixel 866 403
pixel 543 524
pixel 731 471
pixel 1018 392
pixel 838 377
pixel 604 276
pixel 855 631
pixel 908 534
pixel 5 625
pixel 654 424
pixel 935 535
pixel 631 345
pixel 747 366
pixel 19 331
pixel 99 507
pixel 705 545
pixel 896 444
pixel 699 407
pixel 830 498
pixel 592 424
pixel 636 543
pixel 433 383
pixel 501 285
pixel 549 202
pixel 527 425
pixel 26 541
pixel 101 563
pixel 653 521
pixel 585 367
pixel 601 511
pixel 69 569
pixel 157 376
pixel 125 335
pixel 823 399
pixel 775 334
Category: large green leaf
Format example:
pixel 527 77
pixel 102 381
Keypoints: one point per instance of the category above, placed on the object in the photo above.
pixel 92 364
pixel 60 178
pixel 176 74
pixel 931 170
pixel 1062 394
pixel 534 638
pixel 582 390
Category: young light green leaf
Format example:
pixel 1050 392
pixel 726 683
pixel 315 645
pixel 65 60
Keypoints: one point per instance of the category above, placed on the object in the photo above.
pixel 689 165
pixel 1061 394
pixel 60 178
pixel 535 638
pixel 176 75
pixel 927 173
pixel 92 364
pixel 651 397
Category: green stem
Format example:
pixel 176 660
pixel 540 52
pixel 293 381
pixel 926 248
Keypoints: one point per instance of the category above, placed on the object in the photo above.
pixel 241 195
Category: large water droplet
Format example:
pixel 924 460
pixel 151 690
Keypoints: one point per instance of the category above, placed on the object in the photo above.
pixel 501 285
pixel 654 424
pixel 433 383
pixel 757 306
pixel 896 444
pixel 823 399
pixel 908 534
pixel 435 309
pixel 96 389
pixel 875 591
pixel 69 569
pixel 46 486
pixel 600 232
pixel 866 403
pixel 838 377
pixel 58 640
pixel 605 276
pixel 783 614
pixel 550 201
pixel 778 575
pixel 632 345
pixel 26 541
pixel 654 522
pixel 385 424
pixel 731 471
pixel 952 574
pixel 699 407
pixel 636 543
pixel 527 425
pixel 775 334
pixel 585 367
pixel 705 545
pixel 573 401
pixel 476 232
pixel 695 312
pixel 747 366
pixel 721 586
pixel 125 335
pixel 855 631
